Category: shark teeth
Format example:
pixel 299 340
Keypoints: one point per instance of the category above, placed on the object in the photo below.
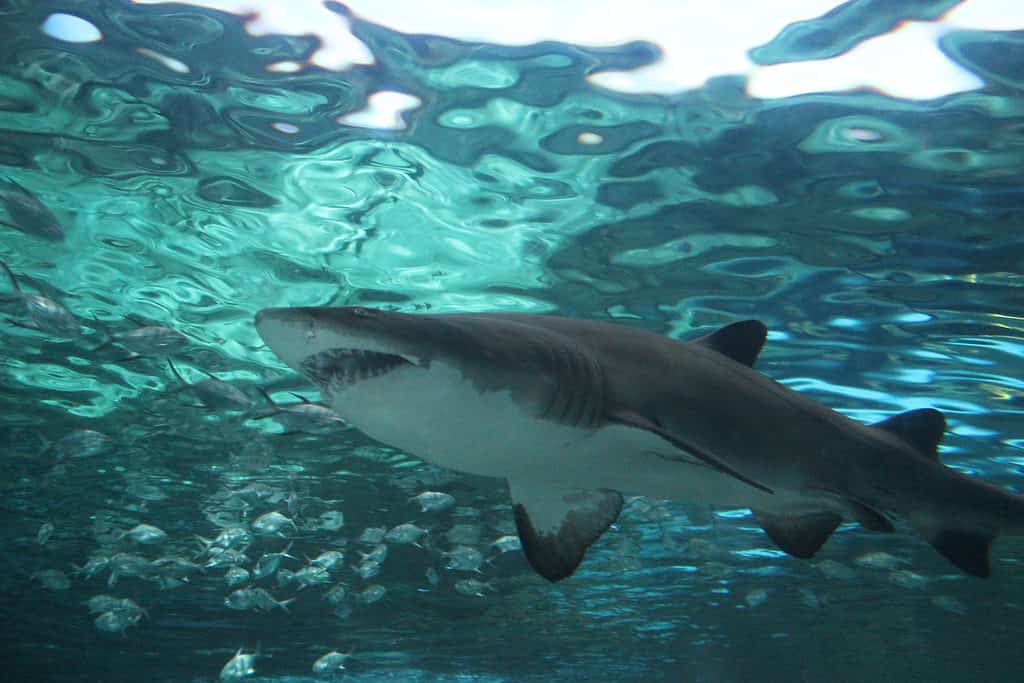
pixel 336 368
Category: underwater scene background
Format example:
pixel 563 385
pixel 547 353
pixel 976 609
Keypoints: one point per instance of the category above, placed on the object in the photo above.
pixel 166 172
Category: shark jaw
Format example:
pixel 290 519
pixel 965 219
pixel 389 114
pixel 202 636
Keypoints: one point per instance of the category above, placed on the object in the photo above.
pixel 573 412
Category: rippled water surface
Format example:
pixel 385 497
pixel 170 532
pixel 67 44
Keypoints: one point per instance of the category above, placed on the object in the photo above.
pixel 182 173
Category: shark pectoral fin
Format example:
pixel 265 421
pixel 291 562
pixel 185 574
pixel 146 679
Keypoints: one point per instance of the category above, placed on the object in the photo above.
pixel 799 535
pixel 640 422
pixel 740 341
pixel 557 525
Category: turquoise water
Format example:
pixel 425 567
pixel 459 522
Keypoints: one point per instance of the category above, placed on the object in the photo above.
pixel 878 237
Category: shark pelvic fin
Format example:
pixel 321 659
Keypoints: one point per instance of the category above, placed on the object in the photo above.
pixel 640 422
pixel 922 429
pixel 740 341
pixel 557 525
pixel 799 535
pixel 968 550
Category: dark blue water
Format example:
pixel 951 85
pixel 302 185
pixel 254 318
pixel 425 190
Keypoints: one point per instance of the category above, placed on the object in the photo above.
pixel 878 237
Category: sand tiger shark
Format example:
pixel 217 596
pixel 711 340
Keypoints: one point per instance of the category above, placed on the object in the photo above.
pixel 574 413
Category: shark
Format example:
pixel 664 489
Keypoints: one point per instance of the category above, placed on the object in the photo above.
pixel 575 413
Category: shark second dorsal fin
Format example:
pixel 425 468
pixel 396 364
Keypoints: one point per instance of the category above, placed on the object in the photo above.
pixel 740 341
pixel 922 429
pixel 799 535
pixel 557 525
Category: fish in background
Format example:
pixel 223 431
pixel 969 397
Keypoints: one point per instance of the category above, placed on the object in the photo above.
pixel 145 341
pixel 213 393
pixel 44 313
pixel 27 214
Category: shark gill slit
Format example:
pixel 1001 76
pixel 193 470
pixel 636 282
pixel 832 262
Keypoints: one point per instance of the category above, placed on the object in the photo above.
pixel 578 394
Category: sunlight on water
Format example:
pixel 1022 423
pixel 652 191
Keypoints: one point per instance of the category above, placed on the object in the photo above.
pixel 178 505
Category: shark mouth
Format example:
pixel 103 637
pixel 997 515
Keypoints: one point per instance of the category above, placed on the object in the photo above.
pixel 337 368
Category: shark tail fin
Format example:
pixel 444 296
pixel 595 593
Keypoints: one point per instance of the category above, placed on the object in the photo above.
pixel 968 549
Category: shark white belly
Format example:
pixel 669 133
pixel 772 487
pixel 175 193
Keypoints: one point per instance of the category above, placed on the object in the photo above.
pixel 446 420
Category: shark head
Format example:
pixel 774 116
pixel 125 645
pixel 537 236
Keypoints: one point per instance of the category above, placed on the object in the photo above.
pixel 339 348
pixel 369 363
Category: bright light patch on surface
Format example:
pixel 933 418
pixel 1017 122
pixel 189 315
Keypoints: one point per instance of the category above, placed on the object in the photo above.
pixel 284 67
pixel 383 111
pixel 698 39
pixel 170 62
pixel 589 139
pixel 287 128
pixel 340 49
pixel 70 29
pixel 906 63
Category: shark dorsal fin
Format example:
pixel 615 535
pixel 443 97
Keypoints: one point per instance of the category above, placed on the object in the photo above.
pixel 740 341
pixel 922 429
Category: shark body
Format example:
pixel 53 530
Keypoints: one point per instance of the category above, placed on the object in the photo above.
pixel 573 413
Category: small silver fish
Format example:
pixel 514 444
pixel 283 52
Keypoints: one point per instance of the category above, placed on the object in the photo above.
pixel 433 501
pixel 507 544
pixel 226 557
pixel 80 443
pixel 93 566
pixel 44 533
pixel 433 578
pixel 328 559
pixel 152 340
pixel 756 597
pixel 303 417
pixel 311 575
pixel 463 558
pixel 367 569
pixel 271 523
pixel 254 598
pixel 236 575
pixel 835 570
pixel 331 662
pixel 122 614
pixel 213 392
pixel 879 560
pixel 146 534
pixel 44 314
pixel 332 520
pixel 243 664
pixel 405 534
pixel 377 554
pixel 336 595
pixel 909 579
pixel 27 214
pixel 269 563
pixel 372 535
pixel 370 594
pixel 473 588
